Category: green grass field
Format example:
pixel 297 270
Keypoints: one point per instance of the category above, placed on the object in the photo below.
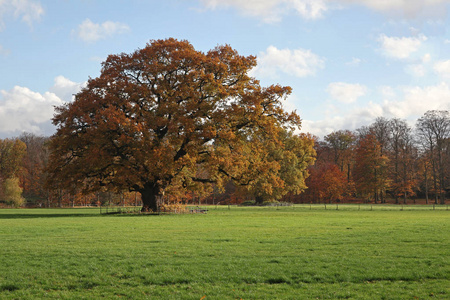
pixel 241 253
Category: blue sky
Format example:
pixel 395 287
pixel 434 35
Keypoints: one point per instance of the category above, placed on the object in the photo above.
pixel 347 61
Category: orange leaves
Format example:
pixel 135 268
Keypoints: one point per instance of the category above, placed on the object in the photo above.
pixel 371 166
pixel 11 155
pixel 168 114
pixel 328 182
pixel 278 164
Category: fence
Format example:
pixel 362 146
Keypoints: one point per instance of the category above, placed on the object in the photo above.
pixel 334 206
pixel 344 207
pixel 372 207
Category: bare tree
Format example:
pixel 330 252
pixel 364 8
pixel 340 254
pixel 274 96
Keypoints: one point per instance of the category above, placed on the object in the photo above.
pixel 401 154
pixel 381 129
pixel 433 130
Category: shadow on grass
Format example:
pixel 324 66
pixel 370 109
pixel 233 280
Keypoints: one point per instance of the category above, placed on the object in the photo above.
pixel 45 215
pixel 49 214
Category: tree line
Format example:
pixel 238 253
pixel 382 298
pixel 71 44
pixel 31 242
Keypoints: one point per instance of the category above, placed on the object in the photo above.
pixel 387 159
pixel 24 178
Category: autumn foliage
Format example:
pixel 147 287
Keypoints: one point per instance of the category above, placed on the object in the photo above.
pixel 327 183
pixel 371 177
pixel 169 115
pixel 12 152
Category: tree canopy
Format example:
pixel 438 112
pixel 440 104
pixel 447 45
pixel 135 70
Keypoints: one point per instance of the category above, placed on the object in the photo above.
pixel 11 155
pixel 168 113
pixel 284 166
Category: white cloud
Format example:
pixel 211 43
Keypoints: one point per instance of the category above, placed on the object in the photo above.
pixel 22 109
pixel 417 70
pixel 417 100
pixel 89 31
pixel 298 62
pixel 272 10
pixel 28 10
pixel 346 92
pixel 408 103
pixel 354 62
pixel 442 68
pixel 308 9
pixel 404 8
pixel 65 89
pixel 400 47
pixel 324 127
pixel 387 92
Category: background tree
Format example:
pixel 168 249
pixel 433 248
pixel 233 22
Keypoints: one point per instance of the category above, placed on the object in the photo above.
pixel 433 131
pixel 370 174
pixel 282 168
pixel 327 183
pixel 342 143
pixel 153 116
pixel 12 192
pixel 12 152
pixel 34 162
pixel 381 129
pixel 402 159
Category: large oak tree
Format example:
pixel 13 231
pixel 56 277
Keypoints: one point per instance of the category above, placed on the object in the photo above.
pixel 161 114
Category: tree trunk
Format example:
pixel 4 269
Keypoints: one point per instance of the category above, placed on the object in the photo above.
pixel 259 200
pixel 348 173
pixel 149 195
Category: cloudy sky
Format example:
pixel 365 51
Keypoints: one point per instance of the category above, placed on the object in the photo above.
pixel 348 61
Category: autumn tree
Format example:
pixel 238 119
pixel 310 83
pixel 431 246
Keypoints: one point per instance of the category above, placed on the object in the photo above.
pixel 34 162
pixel 12 152
pixel 327 182
pixel 433 130
pixel 342 143
pixel 154 116
pixel 370 174
pixel 282 168
pixel 12 192
pixel 402 159
pixel 381 129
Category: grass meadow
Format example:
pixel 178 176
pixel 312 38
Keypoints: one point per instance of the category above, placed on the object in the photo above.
pixel 238 253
